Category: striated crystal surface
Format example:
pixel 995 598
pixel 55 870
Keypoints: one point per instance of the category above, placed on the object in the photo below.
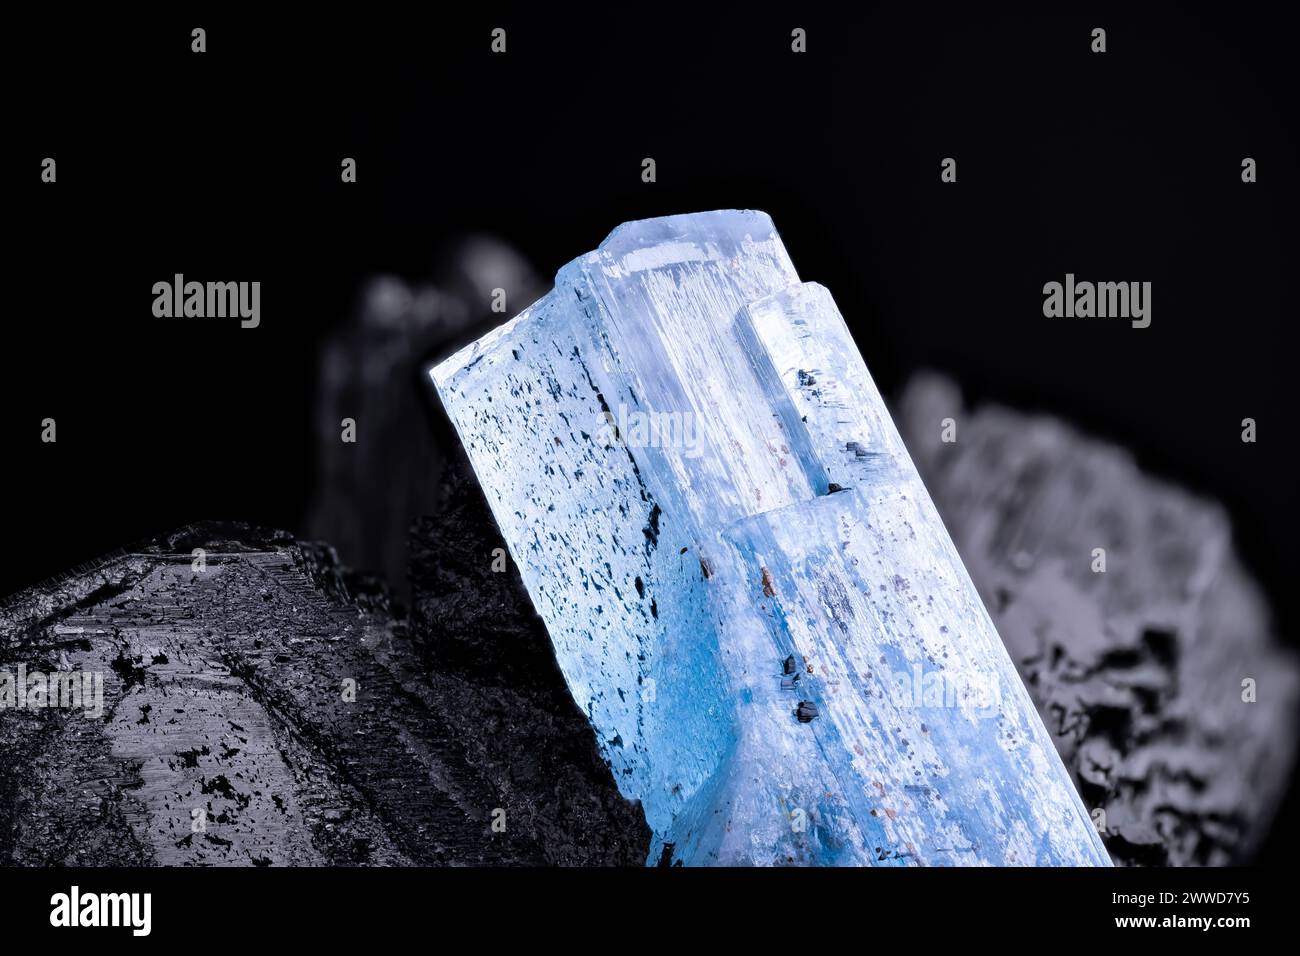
pixel 748 589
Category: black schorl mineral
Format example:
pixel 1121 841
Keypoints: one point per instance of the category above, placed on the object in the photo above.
pixel 262 705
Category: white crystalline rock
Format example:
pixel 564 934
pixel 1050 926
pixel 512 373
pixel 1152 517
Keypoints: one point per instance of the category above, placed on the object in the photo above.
pixel 699 481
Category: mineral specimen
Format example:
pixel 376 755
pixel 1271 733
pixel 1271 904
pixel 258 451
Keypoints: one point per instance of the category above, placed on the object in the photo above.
pixel 762 507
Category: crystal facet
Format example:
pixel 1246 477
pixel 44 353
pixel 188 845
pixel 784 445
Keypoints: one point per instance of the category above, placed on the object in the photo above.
pixel 749 591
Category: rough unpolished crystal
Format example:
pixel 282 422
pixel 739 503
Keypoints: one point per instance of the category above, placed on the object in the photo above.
pixel 699 481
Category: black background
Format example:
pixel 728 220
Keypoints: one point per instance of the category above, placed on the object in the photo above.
pixel 225 166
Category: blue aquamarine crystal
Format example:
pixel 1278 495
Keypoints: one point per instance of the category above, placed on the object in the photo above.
pixel 748 589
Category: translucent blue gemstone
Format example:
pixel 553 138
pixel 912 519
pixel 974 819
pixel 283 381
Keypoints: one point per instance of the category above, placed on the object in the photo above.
pixel 749 591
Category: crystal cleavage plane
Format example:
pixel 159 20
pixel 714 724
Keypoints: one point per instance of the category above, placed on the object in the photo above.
pixel 749 591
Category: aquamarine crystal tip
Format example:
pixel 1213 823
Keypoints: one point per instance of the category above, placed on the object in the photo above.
pixel 719 225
